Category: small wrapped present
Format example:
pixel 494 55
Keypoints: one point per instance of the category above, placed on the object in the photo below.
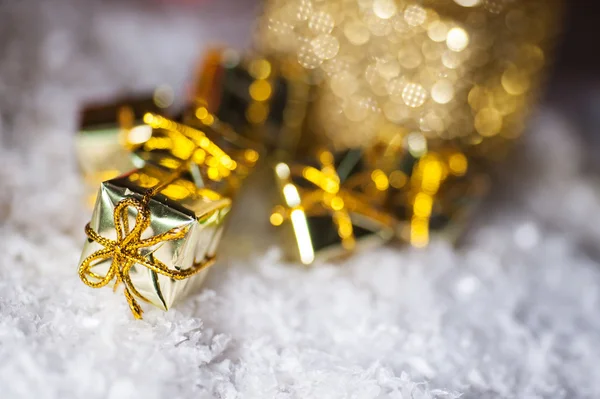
pixel 326 206
pixel 154 231
pixel 264 102
pixel 107 133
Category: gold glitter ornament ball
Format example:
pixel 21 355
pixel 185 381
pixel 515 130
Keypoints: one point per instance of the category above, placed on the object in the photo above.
pixel 460 70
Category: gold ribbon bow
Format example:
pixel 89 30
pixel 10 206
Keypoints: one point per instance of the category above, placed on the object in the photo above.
pixel 125 252
pixel 330 194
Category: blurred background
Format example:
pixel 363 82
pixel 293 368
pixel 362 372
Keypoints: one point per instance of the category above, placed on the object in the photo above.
pixel 52 51
pixel 574 82
pixel 515 315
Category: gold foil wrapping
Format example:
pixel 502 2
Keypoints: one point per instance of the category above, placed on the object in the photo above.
pixel 173 144
pixel 197 215
pixel 324 207
pixel 432 194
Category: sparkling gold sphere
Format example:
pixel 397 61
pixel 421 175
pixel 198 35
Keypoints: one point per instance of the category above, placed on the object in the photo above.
pixel 460 70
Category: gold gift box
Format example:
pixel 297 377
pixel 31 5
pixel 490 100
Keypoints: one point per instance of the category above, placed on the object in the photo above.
pixel 329 213
pixel 156 228
pixel 154 231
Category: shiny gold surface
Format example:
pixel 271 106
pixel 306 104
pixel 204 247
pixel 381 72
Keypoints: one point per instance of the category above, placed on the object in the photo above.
pixel 308 191
pixel 175 205
pixel 429 191
pixel 220 167
pixel 451 70
pixel 444 86
pixel 165 253
pixel 263 100
pixel 242 150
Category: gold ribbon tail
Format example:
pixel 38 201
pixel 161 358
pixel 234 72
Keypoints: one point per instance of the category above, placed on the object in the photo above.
pixel 136 309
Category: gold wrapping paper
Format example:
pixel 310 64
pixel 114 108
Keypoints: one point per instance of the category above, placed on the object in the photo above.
pixel 219 167
pixel 327 213
pixel 155 232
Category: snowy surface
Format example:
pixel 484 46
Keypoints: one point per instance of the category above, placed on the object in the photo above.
pixel 514 313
